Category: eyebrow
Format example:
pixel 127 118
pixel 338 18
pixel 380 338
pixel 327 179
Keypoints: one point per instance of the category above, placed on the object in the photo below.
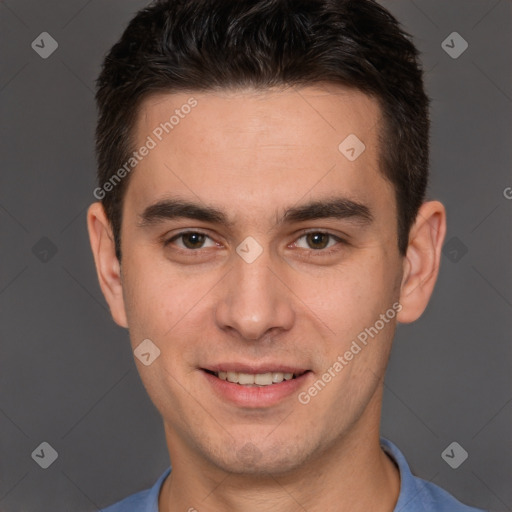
pixel 336 208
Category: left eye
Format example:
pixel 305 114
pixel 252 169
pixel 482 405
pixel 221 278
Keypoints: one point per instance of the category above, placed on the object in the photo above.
pixel 191 240
pixel 318 240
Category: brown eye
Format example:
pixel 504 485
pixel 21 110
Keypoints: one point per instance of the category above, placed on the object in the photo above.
pixel 189 240
pixel 319 244
pixel 193 240
pixel 317 240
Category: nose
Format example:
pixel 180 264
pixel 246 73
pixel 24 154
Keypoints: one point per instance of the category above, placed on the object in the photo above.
pixel 255 300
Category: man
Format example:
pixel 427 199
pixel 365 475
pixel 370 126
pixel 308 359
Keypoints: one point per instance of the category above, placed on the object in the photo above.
pixel 262 229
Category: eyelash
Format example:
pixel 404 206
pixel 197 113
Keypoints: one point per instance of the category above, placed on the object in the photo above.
pixel 311 252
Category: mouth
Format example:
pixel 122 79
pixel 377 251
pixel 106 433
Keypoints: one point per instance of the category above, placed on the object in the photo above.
pixel 255 386
pixel 261 379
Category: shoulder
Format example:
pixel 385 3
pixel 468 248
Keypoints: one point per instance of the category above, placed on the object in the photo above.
pixel 418 495
pixel 143 501
pixel 433 498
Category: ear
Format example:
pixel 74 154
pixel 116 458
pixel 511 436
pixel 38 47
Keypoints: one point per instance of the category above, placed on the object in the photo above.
pixel 422 260
pixel 107 264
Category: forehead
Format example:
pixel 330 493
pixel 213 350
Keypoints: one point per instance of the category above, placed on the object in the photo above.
pixel 263 148
pixel 284 115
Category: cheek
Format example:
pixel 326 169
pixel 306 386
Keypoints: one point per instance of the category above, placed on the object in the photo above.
pixel 171 308
pixel 351 297
pixel 154 300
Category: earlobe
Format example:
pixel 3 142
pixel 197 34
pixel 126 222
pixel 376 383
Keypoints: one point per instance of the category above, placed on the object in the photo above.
pixel 107 265
pixel 422 261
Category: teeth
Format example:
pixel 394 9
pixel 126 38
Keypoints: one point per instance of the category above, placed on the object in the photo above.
pixel 245 378
pixel 262 379
pixel 232 376
pixel 259 379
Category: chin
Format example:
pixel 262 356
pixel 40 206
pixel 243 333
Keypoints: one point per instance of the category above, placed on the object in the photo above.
pixel 259 458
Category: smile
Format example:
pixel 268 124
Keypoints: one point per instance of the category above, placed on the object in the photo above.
pixel 255 387
pixel 258 379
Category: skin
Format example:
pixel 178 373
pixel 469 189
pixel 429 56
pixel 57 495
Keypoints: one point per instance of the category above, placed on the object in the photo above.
pixel 252 155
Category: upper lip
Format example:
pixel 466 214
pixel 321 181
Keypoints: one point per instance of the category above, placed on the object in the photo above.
pixel 255 368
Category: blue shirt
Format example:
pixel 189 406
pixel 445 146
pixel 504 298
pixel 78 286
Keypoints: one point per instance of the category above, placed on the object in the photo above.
pixel 416 494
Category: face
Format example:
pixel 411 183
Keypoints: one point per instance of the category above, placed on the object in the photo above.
pixel 289 254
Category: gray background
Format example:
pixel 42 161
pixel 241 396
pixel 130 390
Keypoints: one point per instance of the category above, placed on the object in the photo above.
pixel 67 374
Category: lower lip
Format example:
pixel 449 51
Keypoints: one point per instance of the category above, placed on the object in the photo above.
pixel 255 396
